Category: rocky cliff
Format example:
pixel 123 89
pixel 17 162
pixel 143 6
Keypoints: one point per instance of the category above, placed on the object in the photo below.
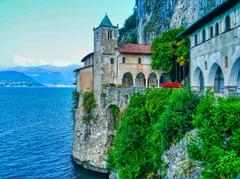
pixel 153 17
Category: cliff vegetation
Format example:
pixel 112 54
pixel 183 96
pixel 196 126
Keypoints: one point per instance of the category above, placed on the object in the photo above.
pixel 160 118
pixel 153 17
pixel 171 55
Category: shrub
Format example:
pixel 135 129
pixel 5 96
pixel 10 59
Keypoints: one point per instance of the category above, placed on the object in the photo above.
pixel 128 155
pixel 218 123
pixel 177 118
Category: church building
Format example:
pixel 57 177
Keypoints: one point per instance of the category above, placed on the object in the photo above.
pixel 215 50
pixel 111 64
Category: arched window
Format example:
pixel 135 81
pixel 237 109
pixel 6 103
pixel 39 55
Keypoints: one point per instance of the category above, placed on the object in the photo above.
pixel 211 32
pixel 204 35
pixel 196 40
pixel 152 80
pixel 201 82
pixel 123 59
pixel 226 62
pixel 219 81
pixel 227 23
pixel 139 61
pixel 127 80
pixel 140 80
pixel 217 29
pixel 205 65
pixel 112 61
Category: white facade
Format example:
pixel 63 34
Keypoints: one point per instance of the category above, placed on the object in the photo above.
pixel 215 54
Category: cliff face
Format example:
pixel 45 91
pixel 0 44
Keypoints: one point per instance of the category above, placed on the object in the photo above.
pixel 92 139
pixel 156 16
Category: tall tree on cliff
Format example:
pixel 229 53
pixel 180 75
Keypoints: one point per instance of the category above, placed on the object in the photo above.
pixel 171 54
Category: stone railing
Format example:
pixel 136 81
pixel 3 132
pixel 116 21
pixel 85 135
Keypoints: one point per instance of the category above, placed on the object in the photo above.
pixel 119 96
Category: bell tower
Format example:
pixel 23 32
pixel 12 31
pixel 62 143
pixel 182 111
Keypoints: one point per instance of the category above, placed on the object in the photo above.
pixel 105 43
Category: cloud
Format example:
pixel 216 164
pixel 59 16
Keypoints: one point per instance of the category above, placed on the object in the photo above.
pixel 21 60
pixel 58 62
pixel 27 61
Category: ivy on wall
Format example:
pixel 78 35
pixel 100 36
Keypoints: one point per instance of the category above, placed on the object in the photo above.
pixel 89 103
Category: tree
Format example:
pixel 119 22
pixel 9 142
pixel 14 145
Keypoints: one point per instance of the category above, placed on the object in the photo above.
pixel 171 54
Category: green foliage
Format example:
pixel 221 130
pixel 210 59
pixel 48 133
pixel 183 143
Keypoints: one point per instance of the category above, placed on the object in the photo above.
pixel 75 99
pixel 177 118
pixel 168 52
pixel 115 111
pixel 154 121
pixel 128 34
pixel 128 154
pixel 156 102
pixel 89 103
pixel 148 128
pixel 218 123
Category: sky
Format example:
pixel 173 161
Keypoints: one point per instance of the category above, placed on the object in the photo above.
pixel 54 32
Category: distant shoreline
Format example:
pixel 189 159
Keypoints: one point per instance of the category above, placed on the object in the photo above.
pixel 37 86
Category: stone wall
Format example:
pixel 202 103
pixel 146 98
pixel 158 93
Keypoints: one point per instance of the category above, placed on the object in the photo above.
pixel 93 138
pixel 85 77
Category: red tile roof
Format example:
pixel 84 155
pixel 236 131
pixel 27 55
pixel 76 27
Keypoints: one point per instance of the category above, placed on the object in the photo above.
pixel 135 49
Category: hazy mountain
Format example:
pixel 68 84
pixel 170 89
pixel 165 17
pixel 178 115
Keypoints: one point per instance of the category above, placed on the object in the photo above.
pixel 13 78
pixel 49 75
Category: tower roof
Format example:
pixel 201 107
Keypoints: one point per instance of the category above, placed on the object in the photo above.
pixel 106 22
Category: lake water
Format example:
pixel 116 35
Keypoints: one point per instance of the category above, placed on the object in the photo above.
pixel 36 134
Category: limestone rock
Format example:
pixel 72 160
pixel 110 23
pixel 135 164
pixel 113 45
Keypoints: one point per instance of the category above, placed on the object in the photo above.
pixel 179 165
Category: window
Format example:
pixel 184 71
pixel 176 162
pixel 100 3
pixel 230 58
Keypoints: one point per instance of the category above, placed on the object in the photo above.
pixel 139 60
pixel 226 62
pixel 97 36
pixel 203 35
pixel 217 29
pixel 211 32
pixel 227 23
pixel 196 40
pixel 112 61
pixel 123 60
pixel 109 34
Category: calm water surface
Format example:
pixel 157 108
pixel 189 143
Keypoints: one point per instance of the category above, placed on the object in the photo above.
pixel 36 134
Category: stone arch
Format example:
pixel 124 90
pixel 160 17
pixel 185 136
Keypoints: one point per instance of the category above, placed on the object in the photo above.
pixel 216 78
pixel 152 80
pixel 163 79
pixel 198 79
pixel 234 78
pixel 140 80
pixel 127 80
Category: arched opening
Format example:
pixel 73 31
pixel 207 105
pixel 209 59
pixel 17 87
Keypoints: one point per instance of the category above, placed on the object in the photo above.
pixel 163 79
pixel 198 79
pixel 127 80
pixel 217 29
pixel 227 23
pixel 238 82
pixel 211 32
pixel 219 81
pixel 140 80
pixel 152 80
pixel 204 35
pixel 234 78
pixel 201 82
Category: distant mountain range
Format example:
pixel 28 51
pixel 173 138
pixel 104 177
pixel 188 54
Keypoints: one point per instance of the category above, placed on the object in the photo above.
pixel 47 75
pixel 16 79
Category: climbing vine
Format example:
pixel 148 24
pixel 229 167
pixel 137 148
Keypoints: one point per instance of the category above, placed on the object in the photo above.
pixel 89 103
